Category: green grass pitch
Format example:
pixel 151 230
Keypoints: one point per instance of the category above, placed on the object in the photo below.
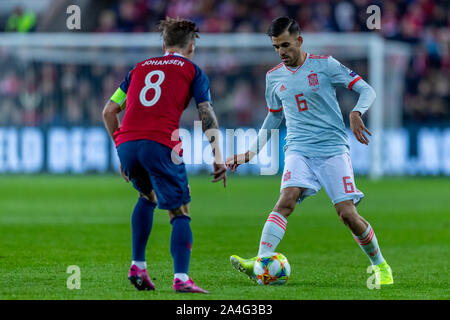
pixel 48 223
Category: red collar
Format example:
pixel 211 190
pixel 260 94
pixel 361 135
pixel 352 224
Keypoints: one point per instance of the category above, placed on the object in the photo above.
pixel 294 71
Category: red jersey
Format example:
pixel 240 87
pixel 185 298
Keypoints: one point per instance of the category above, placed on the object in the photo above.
pixel 157 92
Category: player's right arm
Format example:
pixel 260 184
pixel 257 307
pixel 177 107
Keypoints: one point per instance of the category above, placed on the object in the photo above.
pixel 111 112
pixel 273 120
pixel 111 117
pixel 115 105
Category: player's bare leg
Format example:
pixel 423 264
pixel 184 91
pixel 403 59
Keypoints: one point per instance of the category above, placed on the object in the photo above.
pixel 365 237
pixel 348 214
pixel 183 210
pixel 150 196
pixel 180 248
pixel 273 230
pixel 287 201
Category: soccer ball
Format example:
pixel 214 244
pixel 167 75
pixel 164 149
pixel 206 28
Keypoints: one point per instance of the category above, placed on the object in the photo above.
pixel 272 269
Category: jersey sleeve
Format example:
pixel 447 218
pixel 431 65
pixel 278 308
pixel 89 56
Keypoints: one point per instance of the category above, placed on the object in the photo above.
pixel 340 75
pixel 366 96
pixel 120 95
pixel 200 87
pixel 273 101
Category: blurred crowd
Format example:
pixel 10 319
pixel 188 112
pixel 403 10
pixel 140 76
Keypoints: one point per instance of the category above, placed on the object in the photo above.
pixel 52 94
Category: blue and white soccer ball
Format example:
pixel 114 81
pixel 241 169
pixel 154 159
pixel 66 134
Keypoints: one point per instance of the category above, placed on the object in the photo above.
pixel 273 269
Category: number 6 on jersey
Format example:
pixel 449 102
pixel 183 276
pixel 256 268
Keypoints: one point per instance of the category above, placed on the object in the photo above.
pixel 152 85
pixel 301 104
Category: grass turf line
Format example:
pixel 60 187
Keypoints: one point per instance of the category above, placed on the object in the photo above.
pixel 50 222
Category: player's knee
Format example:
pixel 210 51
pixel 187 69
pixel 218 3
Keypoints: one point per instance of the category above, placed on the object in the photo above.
pixel 346 212
pixel 285 206
pixel 288 200
pixel 183 210
pixel 149 196
pixel 345 216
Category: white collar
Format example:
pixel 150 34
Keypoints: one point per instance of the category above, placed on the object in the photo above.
pixel 173 53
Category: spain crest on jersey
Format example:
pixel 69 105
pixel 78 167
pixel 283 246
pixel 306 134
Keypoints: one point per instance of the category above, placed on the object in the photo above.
pixel 313 80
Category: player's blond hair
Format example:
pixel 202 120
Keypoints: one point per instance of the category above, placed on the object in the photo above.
pixel 178 32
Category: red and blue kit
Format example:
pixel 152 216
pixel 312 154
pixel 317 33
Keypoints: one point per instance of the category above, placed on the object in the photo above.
pixel 154 94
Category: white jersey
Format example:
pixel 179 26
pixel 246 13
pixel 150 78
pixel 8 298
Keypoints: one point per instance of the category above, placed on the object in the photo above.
pixel 307 97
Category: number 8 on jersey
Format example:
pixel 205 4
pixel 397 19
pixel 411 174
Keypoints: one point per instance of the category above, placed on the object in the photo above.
pixel 152 85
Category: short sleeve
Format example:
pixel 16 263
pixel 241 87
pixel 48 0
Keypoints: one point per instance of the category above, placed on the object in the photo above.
pixel 200 87
pixel 120 95
pixel 273 101
pixel 340 75
pixel 126 82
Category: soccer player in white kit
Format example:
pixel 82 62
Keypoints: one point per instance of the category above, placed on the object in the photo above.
pixel 302 88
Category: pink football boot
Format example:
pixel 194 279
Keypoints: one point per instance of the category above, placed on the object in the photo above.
pixel 140 279
pixel 187 286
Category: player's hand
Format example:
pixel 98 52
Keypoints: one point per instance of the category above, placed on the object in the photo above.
pixel 235 161
pixel 124 175
pixel 358 128
pixel 220 173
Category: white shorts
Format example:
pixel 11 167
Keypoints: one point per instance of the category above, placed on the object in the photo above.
pixel 334 174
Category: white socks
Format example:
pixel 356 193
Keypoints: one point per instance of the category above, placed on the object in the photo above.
pixel 140 264
pixel 272 233
pixel 369 244
pixel 143 265
pixel 182 276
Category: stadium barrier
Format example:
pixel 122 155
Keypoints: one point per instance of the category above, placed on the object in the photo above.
pixel 383 63
pixel 79 150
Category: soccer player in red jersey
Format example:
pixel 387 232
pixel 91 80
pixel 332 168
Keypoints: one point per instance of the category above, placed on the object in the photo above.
pixel 154 95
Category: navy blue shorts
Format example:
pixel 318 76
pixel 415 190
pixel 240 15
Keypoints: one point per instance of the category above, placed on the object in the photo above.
pixel 149 166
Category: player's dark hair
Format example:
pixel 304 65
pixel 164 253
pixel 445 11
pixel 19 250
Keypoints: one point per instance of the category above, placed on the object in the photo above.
pixel 178 32
pixel 282 24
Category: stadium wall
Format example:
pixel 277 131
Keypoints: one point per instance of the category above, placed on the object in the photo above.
pixel 80 150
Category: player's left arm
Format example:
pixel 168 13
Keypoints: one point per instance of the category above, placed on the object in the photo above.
pixel 367 96
pixel 340 75
pixel 210 127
